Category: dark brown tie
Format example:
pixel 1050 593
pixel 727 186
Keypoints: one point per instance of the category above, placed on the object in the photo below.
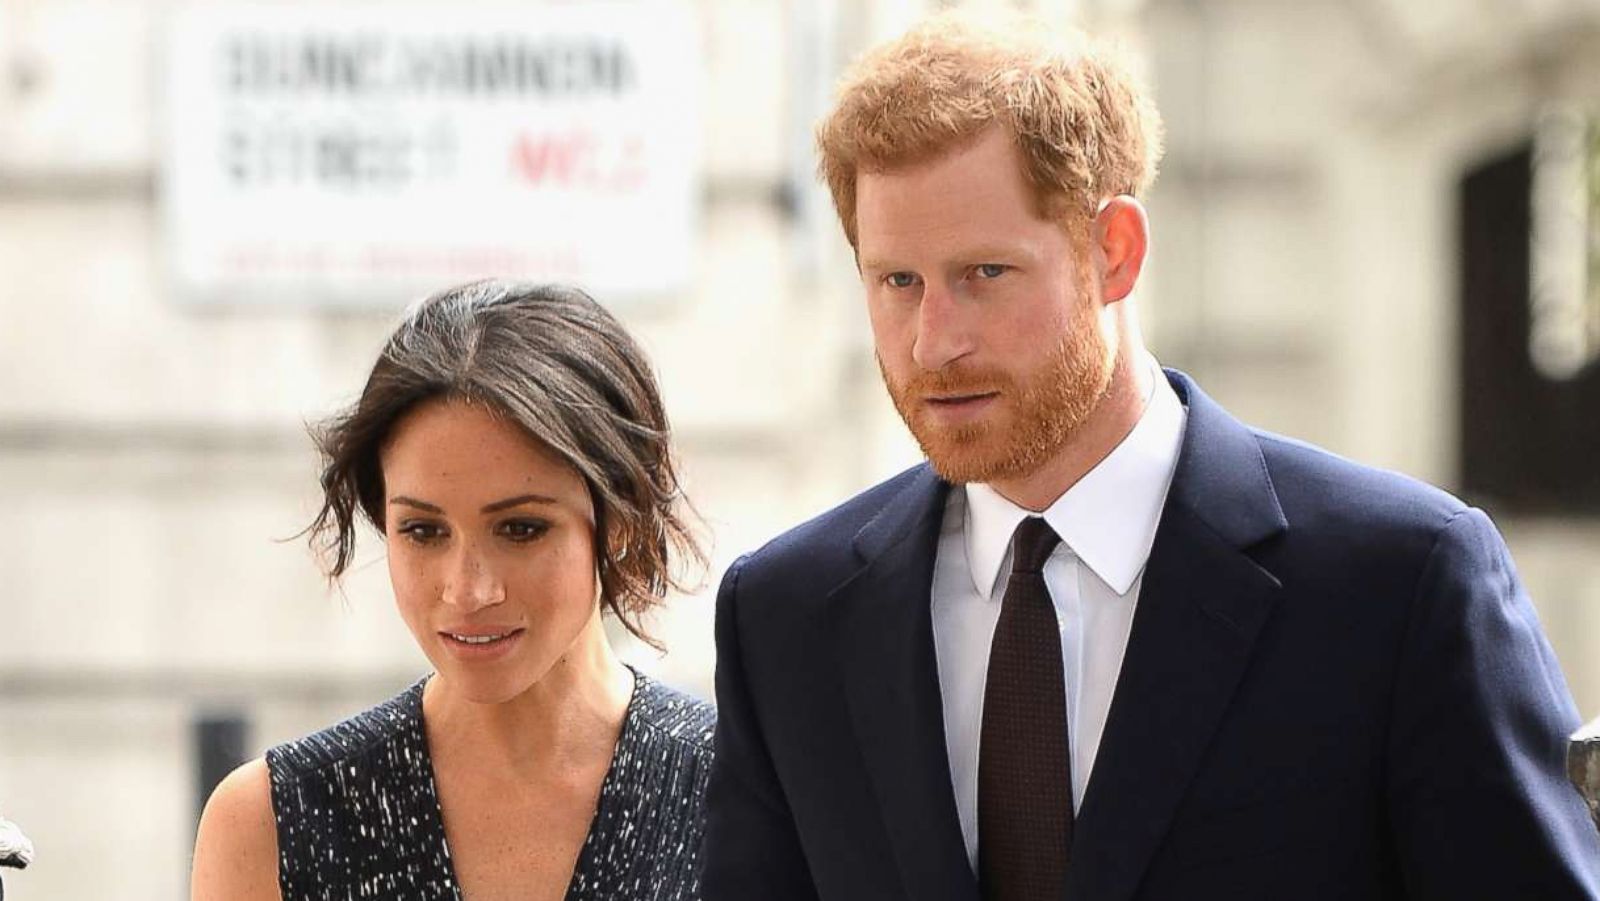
pixel 1024 768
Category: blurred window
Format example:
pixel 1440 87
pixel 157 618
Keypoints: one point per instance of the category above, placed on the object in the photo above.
pixel 1530 324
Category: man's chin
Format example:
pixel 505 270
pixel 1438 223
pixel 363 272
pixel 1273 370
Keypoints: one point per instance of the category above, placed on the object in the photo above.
pixel 963 462
pixel 993 453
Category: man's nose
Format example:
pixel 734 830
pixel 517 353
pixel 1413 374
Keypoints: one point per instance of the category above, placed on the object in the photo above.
pixel 944 332
pixel 471 583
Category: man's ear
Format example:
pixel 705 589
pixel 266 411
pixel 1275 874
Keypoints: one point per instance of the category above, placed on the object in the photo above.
pixel 1121 235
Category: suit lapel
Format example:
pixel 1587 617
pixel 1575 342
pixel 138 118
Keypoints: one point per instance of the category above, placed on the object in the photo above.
pixel 1202 602
pixel 884 642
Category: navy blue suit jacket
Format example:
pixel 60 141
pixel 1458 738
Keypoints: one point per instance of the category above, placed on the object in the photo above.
pixel 1334 688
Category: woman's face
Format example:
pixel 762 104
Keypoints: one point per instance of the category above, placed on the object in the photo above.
pixel 491 548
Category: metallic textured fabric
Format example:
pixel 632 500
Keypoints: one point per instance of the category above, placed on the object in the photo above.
pixel 358 815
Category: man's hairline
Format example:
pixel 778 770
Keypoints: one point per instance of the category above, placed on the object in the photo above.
pixel 863 167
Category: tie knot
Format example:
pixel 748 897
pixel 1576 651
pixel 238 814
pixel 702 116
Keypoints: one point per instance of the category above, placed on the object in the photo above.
pixel 1032 544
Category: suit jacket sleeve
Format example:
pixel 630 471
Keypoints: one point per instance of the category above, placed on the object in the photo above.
pixel 1477 797
pixel 752 849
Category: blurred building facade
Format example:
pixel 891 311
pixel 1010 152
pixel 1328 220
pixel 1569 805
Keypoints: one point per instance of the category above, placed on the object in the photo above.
pixel 154 466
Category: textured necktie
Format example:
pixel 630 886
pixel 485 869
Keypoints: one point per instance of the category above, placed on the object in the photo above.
pixel 1024 768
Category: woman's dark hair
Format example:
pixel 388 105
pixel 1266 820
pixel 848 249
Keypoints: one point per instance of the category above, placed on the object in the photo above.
pixel 554 362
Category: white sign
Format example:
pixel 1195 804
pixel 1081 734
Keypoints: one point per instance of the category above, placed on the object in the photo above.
pixel 367 153
pixel 1564 297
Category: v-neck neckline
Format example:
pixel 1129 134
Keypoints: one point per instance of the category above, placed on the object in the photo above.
pixel 607 785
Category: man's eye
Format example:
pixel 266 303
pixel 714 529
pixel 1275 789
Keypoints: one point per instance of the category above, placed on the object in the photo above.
pixel 523 529
pixel 900 279
pixel 989 270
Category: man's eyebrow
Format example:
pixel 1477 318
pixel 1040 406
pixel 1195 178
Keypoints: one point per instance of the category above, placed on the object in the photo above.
pixel 996 252
pixel 977 254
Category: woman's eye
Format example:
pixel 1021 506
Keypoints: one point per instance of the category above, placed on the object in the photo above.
pixel 523 529
pixel 989 270
pixel 900 279
pixel 421 532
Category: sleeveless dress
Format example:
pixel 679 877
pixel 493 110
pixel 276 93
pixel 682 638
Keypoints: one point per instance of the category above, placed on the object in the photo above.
pixel 358 813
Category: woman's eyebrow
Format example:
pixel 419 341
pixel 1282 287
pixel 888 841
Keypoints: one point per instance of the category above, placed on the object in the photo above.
pixel 413 502
pixel 517 501
pixel 495 507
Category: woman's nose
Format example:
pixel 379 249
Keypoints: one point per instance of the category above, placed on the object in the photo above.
pixel 472 583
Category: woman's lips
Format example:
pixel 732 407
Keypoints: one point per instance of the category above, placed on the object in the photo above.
pixel 481 644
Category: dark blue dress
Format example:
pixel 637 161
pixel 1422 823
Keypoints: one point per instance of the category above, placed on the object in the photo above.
pixel 358 814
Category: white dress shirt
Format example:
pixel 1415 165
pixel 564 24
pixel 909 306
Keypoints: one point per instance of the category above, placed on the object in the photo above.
pixel 1107 523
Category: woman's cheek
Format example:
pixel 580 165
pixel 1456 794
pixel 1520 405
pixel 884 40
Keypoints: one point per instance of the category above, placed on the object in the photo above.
pixel 411 586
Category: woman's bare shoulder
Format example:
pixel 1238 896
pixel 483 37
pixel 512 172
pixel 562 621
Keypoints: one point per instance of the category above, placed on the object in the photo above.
pixel 236 852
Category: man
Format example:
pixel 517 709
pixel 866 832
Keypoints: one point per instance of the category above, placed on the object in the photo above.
pixel 1110 643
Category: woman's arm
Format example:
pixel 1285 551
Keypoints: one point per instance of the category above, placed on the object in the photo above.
pixel 236 852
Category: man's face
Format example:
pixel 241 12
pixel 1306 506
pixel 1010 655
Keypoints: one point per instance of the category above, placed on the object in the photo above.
pixel 990 336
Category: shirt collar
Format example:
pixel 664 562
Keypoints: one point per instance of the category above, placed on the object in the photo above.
pixel 1108 518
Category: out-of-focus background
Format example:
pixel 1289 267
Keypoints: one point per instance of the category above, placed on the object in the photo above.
pixel 1377 229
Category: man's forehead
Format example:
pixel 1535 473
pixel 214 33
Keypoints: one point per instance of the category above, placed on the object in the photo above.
pixel 899 217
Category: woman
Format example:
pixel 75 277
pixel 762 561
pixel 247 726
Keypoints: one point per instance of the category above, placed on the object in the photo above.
pixel 511 446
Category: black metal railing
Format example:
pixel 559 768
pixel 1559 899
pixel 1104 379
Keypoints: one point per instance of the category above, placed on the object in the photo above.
pixel 16 851
pixel 1583 766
